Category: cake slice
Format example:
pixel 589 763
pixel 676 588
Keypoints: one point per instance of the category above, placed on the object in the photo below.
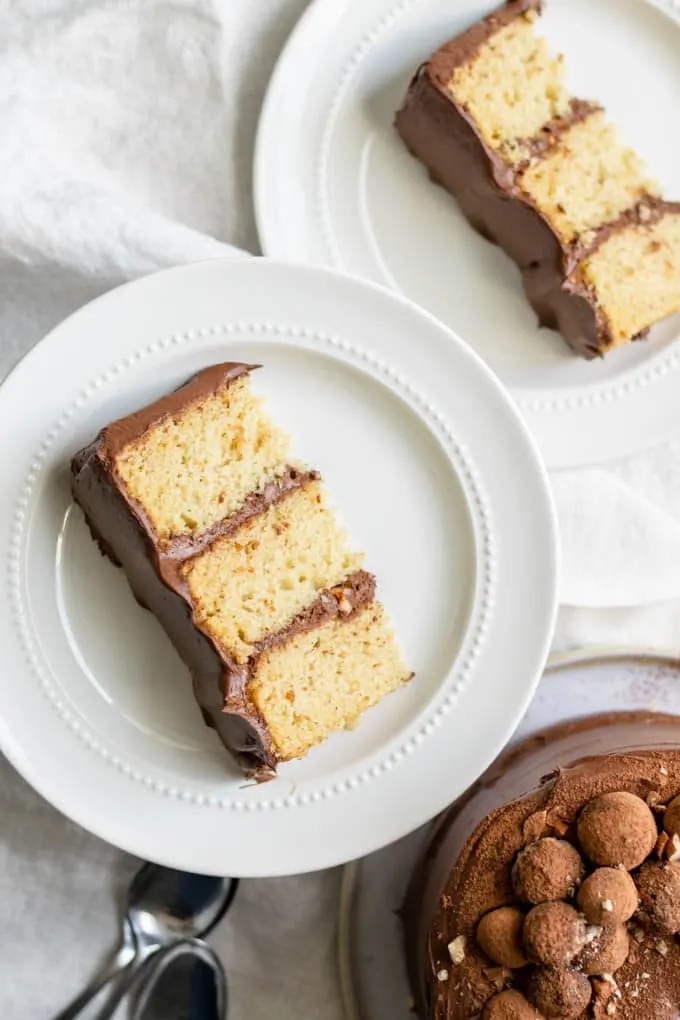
pixel 543 174
pixel 238 553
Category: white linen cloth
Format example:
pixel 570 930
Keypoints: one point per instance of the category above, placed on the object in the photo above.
pixel 126 146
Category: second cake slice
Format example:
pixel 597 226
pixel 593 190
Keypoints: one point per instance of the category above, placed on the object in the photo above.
pixel 544 175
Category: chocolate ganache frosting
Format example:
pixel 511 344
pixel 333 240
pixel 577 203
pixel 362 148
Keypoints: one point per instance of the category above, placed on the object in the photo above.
pixel 552 889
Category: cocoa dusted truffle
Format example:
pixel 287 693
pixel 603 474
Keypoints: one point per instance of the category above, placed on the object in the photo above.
pixel 509 1005
pixel 549 869
pixel 617 828
pixel 606 951
pixel 608 896
pixel 553 934
pixel 659 888
pixel 499 934
pixel 560 993
pixel 671 818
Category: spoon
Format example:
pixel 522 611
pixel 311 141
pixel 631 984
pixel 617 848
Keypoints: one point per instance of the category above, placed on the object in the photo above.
pixel 186 981
pixel 164 906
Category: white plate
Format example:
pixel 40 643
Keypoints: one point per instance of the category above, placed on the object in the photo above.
pixel 373 972
pixel 440 485
pixel 335 186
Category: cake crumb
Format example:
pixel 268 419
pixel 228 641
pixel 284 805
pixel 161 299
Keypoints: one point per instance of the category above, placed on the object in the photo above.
pixel 442 975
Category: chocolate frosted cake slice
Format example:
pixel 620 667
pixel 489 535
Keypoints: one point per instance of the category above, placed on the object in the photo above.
pixel 545 176
pixel 237 552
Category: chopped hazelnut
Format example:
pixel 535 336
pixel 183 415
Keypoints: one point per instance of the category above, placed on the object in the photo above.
pixel 457 950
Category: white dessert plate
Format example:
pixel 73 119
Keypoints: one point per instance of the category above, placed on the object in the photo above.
pixel 335 186
pixel 372 968
pixel 431 468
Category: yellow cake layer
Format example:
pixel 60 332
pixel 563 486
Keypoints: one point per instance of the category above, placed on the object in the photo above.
pixel 192 470
pixel 589 179
pixel 635 275
pixel 512 87
pixel 254 582
pixel 323 680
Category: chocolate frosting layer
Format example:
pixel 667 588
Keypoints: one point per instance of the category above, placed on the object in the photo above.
pixel 444 137
pixel 154 571
pixel 537 789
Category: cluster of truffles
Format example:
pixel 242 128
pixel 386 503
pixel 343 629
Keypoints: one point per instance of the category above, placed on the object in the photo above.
pixel 567 935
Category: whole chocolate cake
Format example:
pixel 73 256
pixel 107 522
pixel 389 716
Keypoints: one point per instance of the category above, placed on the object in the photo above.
pixel 558 895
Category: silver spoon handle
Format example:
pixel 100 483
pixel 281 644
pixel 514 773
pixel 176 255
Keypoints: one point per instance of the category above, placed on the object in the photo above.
pixel 116 965
pixel 147 1007
pixel 125 982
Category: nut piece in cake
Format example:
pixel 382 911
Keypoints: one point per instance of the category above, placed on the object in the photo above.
pixel 617 829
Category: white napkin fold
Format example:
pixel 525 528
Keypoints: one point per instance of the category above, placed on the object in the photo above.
pixel 620 531
pixel 126 146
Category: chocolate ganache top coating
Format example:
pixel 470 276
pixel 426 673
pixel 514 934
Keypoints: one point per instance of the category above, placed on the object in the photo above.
pixel 552 889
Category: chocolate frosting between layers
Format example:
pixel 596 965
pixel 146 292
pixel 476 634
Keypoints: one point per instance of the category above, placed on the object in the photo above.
pixel 443 136
pixel 154 571
pixel 536 789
